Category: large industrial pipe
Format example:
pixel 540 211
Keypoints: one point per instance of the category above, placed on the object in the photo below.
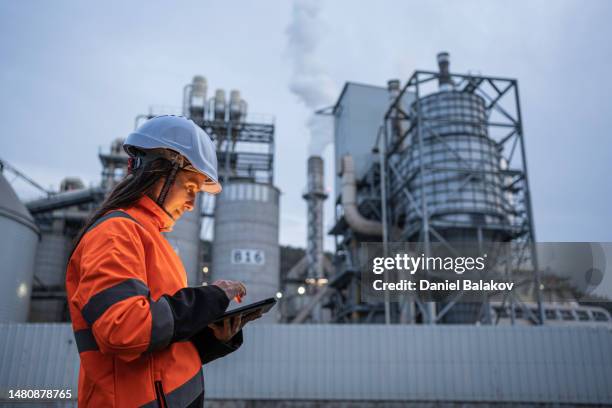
pixel 352 215
pixel 66 199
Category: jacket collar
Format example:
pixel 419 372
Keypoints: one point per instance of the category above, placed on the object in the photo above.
pixel 160 218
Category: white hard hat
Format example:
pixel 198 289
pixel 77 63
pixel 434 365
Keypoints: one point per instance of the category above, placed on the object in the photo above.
pixel 179 135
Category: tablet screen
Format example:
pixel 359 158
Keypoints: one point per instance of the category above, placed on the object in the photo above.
pixel 263 305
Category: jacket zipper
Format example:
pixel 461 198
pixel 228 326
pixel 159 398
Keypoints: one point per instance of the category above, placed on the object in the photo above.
pixel 159 389
pixel 159 393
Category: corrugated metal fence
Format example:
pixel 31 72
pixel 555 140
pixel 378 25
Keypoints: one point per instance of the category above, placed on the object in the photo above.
pixel 362 363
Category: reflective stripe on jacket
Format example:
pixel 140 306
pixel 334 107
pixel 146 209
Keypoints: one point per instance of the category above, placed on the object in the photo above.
pixel 133 316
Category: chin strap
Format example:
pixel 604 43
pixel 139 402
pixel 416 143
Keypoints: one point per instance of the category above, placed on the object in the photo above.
pixel 167 184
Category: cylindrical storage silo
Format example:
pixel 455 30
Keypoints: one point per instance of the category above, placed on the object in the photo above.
pixel 463 183
pixel 185 239
pixel 17 252
pixel 50 270
pixel 245 246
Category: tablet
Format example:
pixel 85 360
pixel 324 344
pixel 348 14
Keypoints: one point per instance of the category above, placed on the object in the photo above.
pixel 263 305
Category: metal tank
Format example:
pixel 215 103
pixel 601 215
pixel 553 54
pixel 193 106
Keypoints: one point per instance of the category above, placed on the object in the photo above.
pixel 456 168
pixel 466 189
pixel 17 253
pixel 245 245
pixel 219 105
pixel 185 239
pixel 196 98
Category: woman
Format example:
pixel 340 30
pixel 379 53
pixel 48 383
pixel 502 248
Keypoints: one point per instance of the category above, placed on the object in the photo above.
pixel 142 335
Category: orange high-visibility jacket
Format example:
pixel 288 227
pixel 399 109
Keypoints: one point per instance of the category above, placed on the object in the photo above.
pixel 133 316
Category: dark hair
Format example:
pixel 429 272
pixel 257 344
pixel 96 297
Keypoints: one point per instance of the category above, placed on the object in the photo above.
pixel 129 190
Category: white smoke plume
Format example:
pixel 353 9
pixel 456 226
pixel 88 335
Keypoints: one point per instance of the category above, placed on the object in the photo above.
pixel 309 80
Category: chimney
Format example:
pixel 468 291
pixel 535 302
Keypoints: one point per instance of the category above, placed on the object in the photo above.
pixel 315 196
pixel 444 80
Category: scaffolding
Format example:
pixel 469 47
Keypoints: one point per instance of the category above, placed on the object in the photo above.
pixel 409 208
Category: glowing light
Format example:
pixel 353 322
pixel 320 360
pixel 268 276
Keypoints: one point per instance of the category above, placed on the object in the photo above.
pixel 279 295
pixel 301 290
pixel 22 290
pixel 205 269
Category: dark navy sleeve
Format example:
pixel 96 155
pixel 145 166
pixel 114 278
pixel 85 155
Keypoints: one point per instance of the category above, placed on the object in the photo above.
pixel 193 309
pixel 210 348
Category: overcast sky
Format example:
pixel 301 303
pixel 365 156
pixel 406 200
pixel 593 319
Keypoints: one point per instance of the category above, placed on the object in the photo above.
pixel 75 74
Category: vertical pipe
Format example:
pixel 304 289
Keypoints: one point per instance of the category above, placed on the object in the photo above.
pixel 534 253
pixel 186 92
pixel 383 200
pixel 227 152
pixel 271 150
pixel 508 268
pixel 485 301
pixel 431 318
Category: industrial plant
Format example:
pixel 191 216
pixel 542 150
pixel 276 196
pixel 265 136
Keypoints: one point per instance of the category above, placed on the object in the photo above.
pixel 436 160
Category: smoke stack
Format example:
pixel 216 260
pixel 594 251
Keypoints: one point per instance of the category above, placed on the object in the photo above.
pixel 393 86
pixel 315 196
pixel 444 80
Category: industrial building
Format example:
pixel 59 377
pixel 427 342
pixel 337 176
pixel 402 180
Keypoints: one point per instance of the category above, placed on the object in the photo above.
pixel 245 217
pixel 438 160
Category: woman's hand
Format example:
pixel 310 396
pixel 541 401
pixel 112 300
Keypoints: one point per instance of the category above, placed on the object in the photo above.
pixel 232 289
pixel 224 332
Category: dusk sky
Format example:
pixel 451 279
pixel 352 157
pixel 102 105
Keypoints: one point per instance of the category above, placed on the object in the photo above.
pixel 74 75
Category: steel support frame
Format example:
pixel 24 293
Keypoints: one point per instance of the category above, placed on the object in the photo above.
pixel 233 140
pixel 504 90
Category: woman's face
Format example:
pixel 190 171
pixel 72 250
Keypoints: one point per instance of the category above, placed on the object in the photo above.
pixel 182 195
